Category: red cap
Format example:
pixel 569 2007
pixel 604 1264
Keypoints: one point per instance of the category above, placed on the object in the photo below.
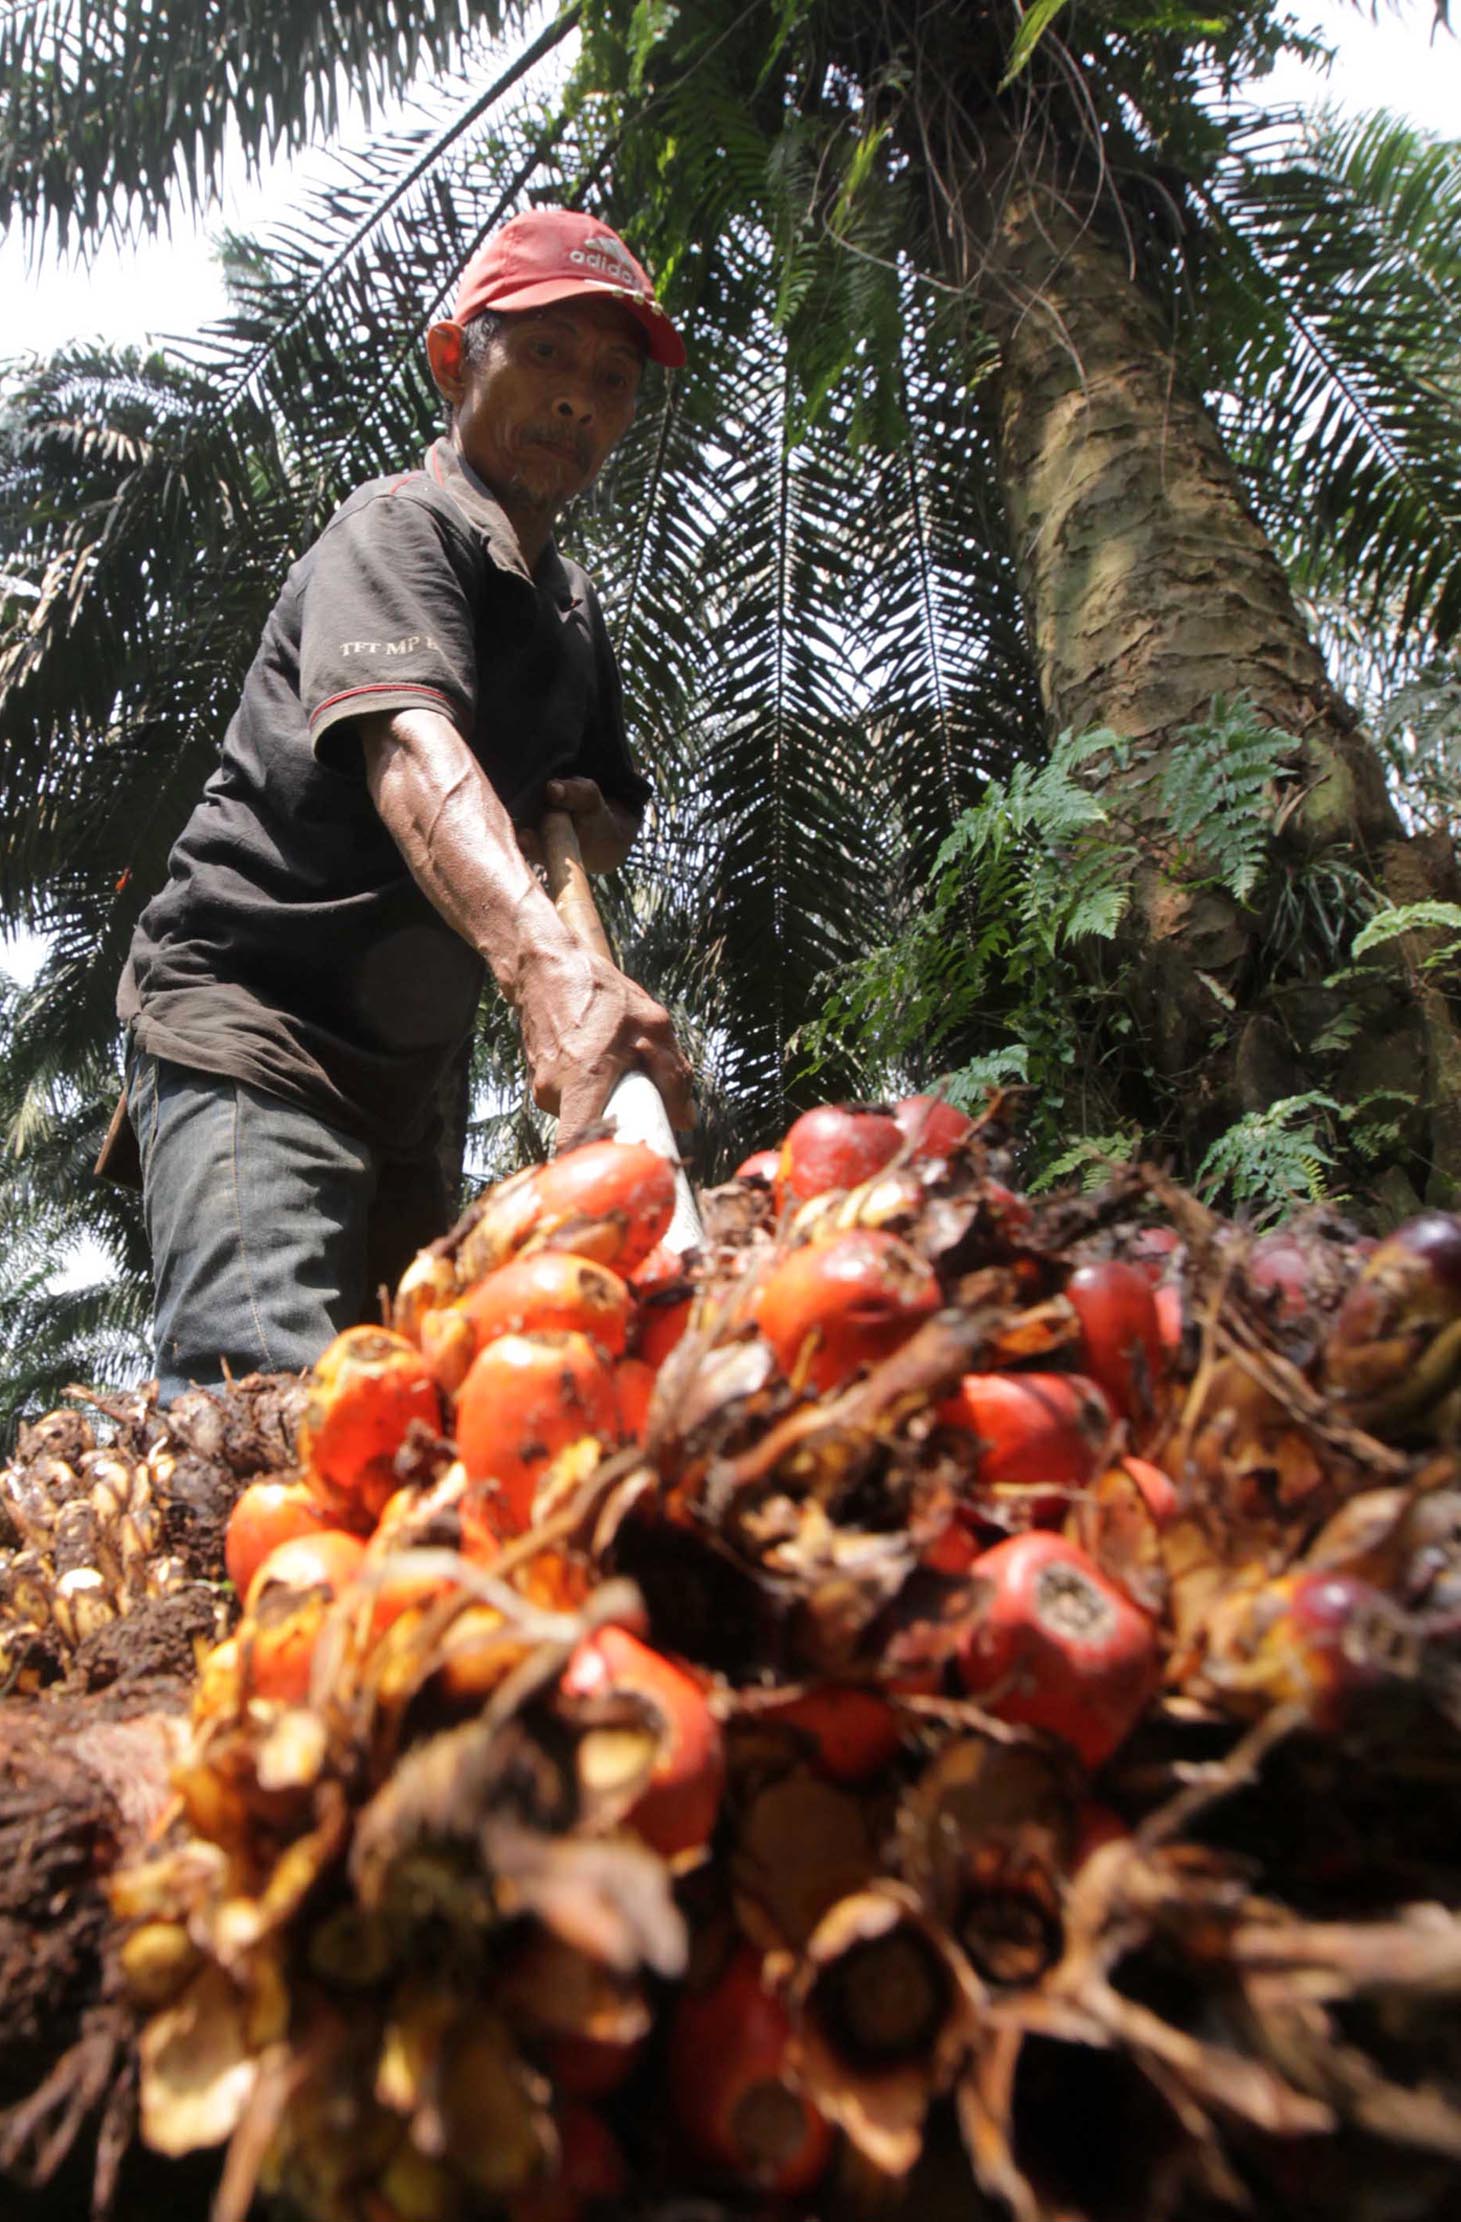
pixel 549 254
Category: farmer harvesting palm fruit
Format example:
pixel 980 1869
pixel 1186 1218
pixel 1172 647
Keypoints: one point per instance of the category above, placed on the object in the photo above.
pixel 433 676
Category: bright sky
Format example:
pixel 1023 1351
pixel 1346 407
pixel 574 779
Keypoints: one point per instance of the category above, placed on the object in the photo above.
pixel 170 286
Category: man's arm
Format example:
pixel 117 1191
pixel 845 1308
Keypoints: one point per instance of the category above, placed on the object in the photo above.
pixel 583 1021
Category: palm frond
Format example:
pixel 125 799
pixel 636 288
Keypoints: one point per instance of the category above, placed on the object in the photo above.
pixel 1337 330
pixel 118 107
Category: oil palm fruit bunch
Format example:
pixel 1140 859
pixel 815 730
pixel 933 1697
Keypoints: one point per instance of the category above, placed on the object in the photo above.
pixel 838 1718
pixel 107 1509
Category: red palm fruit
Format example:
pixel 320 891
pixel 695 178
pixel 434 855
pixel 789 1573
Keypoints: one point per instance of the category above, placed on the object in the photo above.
pixel 1121 1337
pixel 835 1146
pixel 1313 1637
pixel 589 2067
pixel 676 1811
pixel 362 1395
pixel 835 1306
pixel 854 1731
pixel 1158 1490
pixel 1034 1429
pixel 1010 1213
pixel 634 1381
pixel 525 1399
pixel 952 1550
pixel 660 1270
pixel 591 2171
pixel 661 1327
pixel 1153 1249
pixel 760 1165
pixel 1171 1316
pixel 932 1126
pixel 285 1610
pixel 1392 1352
pixel 735 2107
pixel 546 1289
pixel 1096 1826
pixel 1057 1646
pixel 1279 1271
pixel 269 1512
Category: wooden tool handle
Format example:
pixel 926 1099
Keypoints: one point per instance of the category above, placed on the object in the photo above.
pixel 573 898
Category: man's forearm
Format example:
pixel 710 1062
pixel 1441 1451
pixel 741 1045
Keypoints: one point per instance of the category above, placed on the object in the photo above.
pixel 458 841
pixel 583 1021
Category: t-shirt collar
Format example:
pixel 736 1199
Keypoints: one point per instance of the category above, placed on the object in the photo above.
pixel 452 472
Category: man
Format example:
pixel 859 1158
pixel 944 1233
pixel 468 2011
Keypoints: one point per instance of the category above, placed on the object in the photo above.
pixel 432 677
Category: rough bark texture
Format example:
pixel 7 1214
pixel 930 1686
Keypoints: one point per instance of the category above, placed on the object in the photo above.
pixel 1149 587
pixel 82 1780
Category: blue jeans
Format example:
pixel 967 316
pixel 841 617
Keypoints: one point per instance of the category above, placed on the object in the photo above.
pixel 270 1229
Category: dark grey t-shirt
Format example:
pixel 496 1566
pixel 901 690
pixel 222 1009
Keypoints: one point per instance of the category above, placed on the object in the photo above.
pixel 290 947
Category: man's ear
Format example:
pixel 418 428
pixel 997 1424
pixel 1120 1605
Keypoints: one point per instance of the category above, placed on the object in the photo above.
pixel 446 351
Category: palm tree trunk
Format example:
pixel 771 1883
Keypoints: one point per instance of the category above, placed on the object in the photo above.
pixel 1149 587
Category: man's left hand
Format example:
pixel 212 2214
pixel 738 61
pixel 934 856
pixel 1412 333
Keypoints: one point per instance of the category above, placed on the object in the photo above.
pixel 605 829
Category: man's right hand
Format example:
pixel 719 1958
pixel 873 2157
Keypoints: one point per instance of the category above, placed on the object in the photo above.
pixel 584 1023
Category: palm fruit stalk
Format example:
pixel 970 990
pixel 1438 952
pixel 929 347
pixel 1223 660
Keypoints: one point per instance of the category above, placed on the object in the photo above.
pixel 940 1702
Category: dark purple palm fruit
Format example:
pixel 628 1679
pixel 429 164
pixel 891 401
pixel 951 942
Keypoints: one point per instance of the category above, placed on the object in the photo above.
pixel 1393 1356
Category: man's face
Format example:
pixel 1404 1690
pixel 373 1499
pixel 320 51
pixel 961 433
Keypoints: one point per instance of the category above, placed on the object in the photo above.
pixel 537 417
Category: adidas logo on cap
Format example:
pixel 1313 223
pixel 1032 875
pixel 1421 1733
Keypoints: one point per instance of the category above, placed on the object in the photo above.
pixel 611 258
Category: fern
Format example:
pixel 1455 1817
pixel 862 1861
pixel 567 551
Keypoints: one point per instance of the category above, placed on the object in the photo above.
pixel 1273 1160
pixel 1036 866
pixel 1413 918
pixel 998 1068
pixel 1005 962
pixel 1091 1159
pixel 1220 790
pixel 1377 1123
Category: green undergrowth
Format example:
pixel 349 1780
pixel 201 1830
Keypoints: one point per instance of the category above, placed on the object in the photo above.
pixel 1019 967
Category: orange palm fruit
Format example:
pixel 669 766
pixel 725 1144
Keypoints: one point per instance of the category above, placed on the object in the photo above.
pixel 543 1289
pixel 665 1295
pixel 837 1305
pixel 634 1381
pixel 269 1512
pixel 428 1281
pixel 362 1396
pixel 285 1610
pixel 403 1591
pixel 610 1201
pixel 676 1810
pixel 525 1399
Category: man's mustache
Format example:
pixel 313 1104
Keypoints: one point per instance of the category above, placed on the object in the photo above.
pixel 574 445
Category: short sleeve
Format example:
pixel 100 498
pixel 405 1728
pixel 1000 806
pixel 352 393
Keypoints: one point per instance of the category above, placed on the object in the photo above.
pixel 604 755
pixel 387 618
